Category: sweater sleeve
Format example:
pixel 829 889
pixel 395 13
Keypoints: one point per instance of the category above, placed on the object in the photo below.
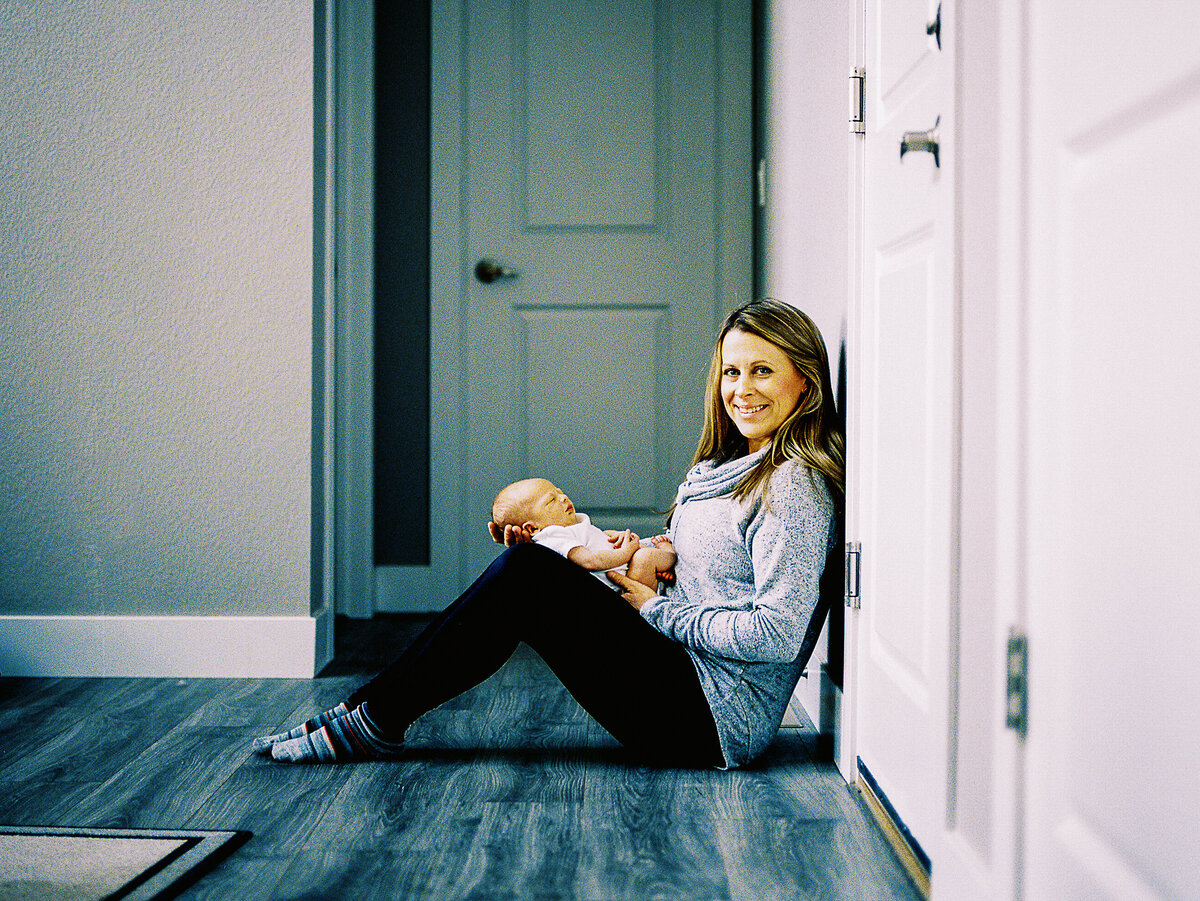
pixel 787 540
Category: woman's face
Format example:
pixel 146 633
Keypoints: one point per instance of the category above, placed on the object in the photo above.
pixel 759 386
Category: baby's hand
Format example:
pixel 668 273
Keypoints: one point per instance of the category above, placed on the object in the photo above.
pixel 627 542
pixel 618 539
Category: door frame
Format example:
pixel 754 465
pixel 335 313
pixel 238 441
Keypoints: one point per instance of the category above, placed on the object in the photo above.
pixel 349 367
pixel 323 546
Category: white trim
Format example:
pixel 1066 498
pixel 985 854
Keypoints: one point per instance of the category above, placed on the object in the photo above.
pixel 846 731
pixel 199 647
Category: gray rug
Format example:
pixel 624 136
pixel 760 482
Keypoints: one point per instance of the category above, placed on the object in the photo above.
pixel 49 864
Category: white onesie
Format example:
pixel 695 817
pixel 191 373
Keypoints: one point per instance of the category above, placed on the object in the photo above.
pixel 564 539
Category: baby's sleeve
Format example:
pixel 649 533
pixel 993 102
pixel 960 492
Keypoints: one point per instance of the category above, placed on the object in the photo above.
pixel 559 539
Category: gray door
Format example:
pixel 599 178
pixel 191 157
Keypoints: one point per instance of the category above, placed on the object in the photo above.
pixel 605 157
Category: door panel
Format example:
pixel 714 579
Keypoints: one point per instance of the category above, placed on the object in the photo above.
pixel 591 108
pixel 1113 498
pixel 908 402
pixel 578 418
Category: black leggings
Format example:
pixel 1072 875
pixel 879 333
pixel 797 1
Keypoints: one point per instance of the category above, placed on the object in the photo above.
pixel 639 685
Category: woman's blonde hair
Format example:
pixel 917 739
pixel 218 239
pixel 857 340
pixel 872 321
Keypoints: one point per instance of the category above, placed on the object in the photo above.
pixel 811 435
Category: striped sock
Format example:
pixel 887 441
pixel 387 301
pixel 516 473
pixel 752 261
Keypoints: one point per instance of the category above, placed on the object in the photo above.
pixel 348 738
pixel 263 745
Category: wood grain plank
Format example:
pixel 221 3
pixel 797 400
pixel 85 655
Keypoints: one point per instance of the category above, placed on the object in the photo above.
pixel 98 741
pixel 173 776
pixel 247 875
pixel 520 851
pixel 646 837
pixel 774 859
pixel 362 875
pixel 281 804
pixel 165 784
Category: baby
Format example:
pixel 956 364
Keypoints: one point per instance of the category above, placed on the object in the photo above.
pixel 541 509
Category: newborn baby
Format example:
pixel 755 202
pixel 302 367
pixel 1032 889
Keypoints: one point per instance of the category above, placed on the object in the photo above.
pixel 539 508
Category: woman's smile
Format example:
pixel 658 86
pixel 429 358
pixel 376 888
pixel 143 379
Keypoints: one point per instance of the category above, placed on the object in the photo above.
pixel 749 410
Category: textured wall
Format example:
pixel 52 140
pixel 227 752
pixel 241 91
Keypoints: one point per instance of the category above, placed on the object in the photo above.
pixel 156 237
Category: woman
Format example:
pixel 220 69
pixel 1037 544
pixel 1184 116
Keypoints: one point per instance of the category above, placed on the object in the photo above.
pixel 701 674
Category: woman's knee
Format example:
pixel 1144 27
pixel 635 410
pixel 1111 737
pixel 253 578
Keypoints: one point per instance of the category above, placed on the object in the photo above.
pixel 529 567
pixel 525 556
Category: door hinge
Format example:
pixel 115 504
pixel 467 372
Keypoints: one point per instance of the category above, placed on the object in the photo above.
pixel 1017 713
pixel 858 101
pixel 853 571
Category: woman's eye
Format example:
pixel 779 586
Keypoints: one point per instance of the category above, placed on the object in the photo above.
pixel 762 370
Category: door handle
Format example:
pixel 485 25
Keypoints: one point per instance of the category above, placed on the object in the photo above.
pixel 922 141
pixel 488 271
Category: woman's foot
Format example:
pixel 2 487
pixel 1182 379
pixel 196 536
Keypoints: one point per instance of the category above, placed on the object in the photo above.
pixel 264 744
pixel 344 739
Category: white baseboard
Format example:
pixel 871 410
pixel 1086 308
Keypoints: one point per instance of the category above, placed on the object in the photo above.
pixel 260 647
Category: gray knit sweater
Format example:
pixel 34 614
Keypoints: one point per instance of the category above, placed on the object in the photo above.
pixel 747 587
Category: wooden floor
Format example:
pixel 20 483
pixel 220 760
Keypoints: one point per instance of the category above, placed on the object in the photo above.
pixel 509 792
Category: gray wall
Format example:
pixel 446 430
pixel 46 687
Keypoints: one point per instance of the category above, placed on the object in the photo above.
pixel 156 283
pixel 804 138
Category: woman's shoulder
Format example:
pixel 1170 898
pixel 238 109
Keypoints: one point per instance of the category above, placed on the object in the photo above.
pixel 795 486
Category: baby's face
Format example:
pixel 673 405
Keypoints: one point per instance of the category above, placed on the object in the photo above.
pixel 547 506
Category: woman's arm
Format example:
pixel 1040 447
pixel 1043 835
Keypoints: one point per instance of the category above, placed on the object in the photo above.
pixel 787 543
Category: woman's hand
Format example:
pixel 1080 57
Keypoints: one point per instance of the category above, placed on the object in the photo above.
pixel 509 536
pixel 634 592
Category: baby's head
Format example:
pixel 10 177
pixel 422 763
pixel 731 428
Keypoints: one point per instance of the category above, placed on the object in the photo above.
pixel 532 504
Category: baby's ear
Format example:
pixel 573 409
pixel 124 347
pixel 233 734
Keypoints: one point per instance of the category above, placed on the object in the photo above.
pixel 529 527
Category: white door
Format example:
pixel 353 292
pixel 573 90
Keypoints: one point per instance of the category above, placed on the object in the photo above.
pixel 1113 499
pixel 593 172
pixel 602 151
pixel 906 422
